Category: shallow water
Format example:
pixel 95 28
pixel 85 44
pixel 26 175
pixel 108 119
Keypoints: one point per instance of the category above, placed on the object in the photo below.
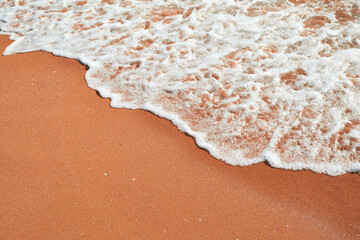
pixel 252 81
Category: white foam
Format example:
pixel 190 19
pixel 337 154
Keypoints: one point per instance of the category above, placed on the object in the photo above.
pixel 251 80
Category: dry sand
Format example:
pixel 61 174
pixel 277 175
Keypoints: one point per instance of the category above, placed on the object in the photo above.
pixel 74 168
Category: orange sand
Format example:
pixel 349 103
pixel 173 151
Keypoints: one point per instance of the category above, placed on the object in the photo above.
pixel 74 168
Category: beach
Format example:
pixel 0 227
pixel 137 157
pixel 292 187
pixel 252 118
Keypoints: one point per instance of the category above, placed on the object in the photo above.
pixel 72 167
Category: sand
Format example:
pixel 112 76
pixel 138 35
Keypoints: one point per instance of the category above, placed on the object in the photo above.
pixel 74 168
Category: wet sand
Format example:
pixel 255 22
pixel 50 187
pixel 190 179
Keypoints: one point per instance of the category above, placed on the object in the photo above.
pixel 74 168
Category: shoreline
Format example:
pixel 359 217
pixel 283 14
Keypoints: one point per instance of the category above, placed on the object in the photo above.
pixel 72 167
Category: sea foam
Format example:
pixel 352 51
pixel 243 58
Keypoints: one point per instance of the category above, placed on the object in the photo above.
pixel 251 80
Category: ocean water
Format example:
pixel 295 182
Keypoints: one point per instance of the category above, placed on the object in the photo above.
pixel 250 80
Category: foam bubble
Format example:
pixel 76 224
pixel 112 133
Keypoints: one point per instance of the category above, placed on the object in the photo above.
pixel 251 80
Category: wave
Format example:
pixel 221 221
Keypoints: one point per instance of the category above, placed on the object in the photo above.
pixel 251 81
